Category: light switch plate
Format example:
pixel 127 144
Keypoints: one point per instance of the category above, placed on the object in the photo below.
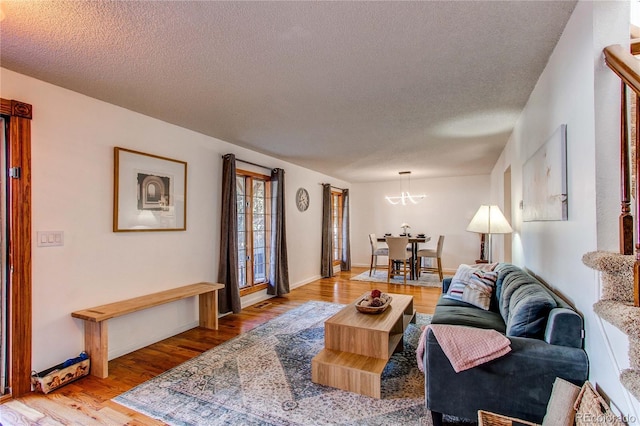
pixel 50 238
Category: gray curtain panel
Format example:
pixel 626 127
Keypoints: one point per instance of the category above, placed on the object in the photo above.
pixel 229 297
pixel 326 266
pixel 279 276
pixel 345 261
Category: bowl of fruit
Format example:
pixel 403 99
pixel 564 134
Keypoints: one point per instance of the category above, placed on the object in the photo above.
pixel 374 302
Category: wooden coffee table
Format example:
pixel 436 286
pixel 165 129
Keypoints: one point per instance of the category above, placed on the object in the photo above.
pixel 358 346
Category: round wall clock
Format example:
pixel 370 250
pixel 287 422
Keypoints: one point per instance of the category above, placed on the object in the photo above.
pixel 302 199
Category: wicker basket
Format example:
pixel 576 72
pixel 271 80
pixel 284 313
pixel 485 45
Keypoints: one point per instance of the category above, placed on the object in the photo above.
pixel 486 418
pixel 372 309
pixel 592 409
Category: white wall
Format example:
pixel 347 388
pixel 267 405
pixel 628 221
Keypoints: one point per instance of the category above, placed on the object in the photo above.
pixel 578 90
pixel 447 210
pixel 72 161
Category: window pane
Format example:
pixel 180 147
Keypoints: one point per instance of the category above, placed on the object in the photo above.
pixel 242 277
pixel 258 188
pixel 240 196
pixel 240 185
pixel 241 222
pixel 242 273
pixel 258 197
pixel 258 221
pixel 259 265
pixel 259 239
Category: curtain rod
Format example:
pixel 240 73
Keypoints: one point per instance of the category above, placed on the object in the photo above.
pixel 253 164
pixel 334 187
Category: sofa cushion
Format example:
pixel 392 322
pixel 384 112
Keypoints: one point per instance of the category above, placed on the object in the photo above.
pixel 511 283
pixel 455 312
pixel 530 305
pixel 472 285
pixel 503 269
pixel 445 301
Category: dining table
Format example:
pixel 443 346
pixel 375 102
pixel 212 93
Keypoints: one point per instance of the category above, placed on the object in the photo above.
pixel 414 241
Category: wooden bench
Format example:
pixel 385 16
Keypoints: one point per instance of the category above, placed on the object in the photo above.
pixel 96 339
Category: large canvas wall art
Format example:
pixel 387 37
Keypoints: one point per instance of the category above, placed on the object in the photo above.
pixel 544 179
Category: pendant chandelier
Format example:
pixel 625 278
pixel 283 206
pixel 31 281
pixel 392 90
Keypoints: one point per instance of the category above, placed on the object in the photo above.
pixel 405 195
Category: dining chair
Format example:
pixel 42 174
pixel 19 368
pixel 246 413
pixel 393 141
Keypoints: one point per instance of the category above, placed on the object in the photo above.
pixel 375 252
pixel 431 254
pixel 398 253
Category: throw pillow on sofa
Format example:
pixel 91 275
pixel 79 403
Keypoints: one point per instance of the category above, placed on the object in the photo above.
pixel 462 273
pixel 473 286
pixel 510 284
pixel 529 309
pixel 486 266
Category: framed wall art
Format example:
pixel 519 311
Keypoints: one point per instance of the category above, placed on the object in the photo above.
pixel 150 192
pixel 544 178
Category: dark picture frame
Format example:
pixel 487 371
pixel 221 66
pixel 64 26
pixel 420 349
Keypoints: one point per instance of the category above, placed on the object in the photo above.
pixel 150 192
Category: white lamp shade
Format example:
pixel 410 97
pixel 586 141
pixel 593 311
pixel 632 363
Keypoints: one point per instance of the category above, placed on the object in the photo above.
pixel 489 220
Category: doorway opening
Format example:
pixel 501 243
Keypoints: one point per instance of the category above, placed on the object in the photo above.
pixel 15 249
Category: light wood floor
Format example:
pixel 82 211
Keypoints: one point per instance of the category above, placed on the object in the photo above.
pixel 88 400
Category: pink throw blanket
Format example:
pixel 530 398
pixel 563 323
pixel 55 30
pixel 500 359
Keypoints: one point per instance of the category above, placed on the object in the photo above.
pixel 466 347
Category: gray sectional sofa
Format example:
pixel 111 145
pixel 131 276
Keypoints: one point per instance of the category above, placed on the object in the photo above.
pixel 546 337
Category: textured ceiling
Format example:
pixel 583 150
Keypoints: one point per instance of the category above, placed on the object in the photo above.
pixel 356 90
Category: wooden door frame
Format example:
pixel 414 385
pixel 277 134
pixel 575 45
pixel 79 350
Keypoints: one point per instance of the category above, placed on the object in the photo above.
pixel 19 217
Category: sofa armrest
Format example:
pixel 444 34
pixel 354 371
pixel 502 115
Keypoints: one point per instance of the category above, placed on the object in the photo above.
pixel 564 328
pixel 445 284
pixel 518 384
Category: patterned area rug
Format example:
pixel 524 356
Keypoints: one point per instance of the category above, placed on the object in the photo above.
pixel 380 276
pixel 263 377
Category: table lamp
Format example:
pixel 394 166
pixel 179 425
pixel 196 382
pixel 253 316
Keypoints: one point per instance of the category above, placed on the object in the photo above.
pixel 489 220
pixel 405 226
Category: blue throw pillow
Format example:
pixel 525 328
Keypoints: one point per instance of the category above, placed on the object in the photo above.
pixel 529 309
pixel 510 284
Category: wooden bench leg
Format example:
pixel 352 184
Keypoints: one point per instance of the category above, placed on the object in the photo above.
pixel 208 312
pixel 96 342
